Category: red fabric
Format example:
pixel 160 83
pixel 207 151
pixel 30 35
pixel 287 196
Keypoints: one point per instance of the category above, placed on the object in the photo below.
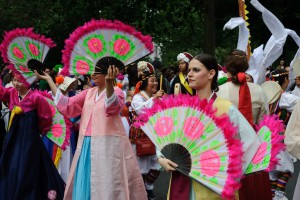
pixel 245 104
pixel 54 152
pixel 256 186
pixel 137 87
pixel 180 186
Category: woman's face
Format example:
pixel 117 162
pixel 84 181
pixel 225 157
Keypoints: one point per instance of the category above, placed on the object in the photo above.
pixel 199 77
pixel 297 80
pixel 152 85
pixel 286 81
pixel 182 66
pixel 98 79
pixel 249 78
pixel 17 84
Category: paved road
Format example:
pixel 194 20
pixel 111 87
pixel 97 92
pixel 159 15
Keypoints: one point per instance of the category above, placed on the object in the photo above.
pixel 162 184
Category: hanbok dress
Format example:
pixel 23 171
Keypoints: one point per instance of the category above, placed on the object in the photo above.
pixel 149 165
pixel 104 165
pixel 26 169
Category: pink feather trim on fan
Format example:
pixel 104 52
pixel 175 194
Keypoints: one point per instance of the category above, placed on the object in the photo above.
pixel 94 25
pixel 276 126
pixel 223 122
pixel 67 121
pixel 9 36
pixel 21 32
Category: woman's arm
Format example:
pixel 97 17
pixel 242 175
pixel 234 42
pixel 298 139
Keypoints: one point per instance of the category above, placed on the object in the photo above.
pixel 115 103
pixel 5 93
pixel 44 113
pixel 138 103
pixel 70 107
pixel 49 80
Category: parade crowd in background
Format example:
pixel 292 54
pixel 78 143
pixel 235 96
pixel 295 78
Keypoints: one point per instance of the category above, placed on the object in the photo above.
pixel 73 130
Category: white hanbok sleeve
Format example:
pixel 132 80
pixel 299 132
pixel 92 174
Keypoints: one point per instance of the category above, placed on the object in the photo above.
pixel 138 103
pixel 247 135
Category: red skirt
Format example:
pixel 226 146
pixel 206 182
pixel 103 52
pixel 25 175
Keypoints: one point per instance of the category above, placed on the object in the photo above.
pixel 256 186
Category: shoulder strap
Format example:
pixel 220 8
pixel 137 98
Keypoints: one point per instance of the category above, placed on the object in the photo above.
pixel 144 96
pixel 185 84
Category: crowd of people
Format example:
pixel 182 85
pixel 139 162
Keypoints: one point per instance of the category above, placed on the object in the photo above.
pixel 102 108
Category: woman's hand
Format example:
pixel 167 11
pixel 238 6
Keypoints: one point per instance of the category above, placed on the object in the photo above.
pixel 45 77
pixel 110 77
pixel 159 94
pixel 167 164
pixel 49 80
pixel 112 73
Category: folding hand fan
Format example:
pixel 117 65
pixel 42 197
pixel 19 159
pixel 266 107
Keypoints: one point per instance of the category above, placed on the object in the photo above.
pixel 60 129
pixel 106 40
pixel 187 131
pixel 271 144
pixel 25 51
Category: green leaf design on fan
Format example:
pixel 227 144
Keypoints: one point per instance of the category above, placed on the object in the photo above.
pixel 210 128
pixel 34 50
pixel 214 180
pixel 57 119
pixel 205 143
pixel 25 71
pixel 18 53
pixel 95 45
pixel 121 47
pixel 262 158
pixel 196 174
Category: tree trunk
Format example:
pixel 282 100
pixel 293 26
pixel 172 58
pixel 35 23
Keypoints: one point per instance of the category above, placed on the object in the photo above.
pixel 209 27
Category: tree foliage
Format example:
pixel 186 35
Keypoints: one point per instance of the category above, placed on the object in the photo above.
pixel 177 25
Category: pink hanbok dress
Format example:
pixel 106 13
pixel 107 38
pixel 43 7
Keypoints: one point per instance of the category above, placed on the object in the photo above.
pixel 104 159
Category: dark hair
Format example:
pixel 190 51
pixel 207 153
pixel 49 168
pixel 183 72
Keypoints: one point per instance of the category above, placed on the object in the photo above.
pixel 145 82
pixel 144 78
pixel 186 67
pixel 132 72
pixel 210 63
pixel 279 76
pixel 235 63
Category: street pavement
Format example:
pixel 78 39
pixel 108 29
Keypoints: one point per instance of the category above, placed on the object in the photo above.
pixel 162 184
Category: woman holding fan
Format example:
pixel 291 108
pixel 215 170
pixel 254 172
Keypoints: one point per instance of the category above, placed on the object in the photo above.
pixel 104 165
pixel 103 158
pixel 26 169
pixel 202 77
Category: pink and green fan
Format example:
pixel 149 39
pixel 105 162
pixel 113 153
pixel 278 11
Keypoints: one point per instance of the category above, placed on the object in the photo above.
pixel 106 41
pixel 271 140
pixel 25 51
pixel 187 131
pixel 60 129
